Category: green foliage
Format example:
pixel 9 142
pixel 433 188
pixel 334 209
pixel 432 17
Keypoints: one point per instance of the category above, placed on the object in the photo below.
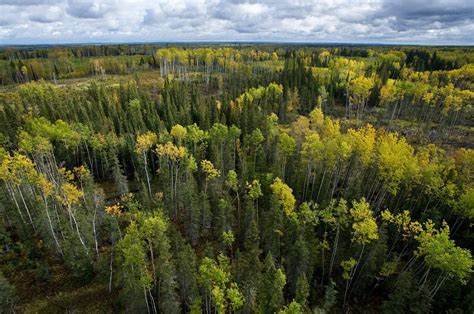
pixel 348 266
pixel 255 190
pixel 364 226
pixel 7 295
pixel 330 296
pixel 302 290
pixel 228 237
pixel 140 271
pixel 465 205
pixel 287 144
pixel 216 278
pixel 78 263
pixel 396 161
pixel 232 181
pixel 441 253
pixel 270 291
pixel 407 297
pixel 316 156
pixel 136 276
pixel 293 308
pixel 284 195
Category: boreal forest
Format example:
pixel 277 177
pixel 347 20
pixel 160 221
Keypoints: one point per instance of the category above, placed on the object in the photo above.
pixel 236 178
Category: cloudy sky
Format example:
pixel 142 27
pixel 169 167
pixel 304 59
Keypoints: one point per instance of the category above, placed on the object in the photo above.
pixel 357 21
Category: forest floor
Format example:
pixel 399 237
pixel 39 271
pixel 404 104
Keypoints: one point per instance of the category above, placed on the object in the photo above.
pixel 85 80
pixel 61 293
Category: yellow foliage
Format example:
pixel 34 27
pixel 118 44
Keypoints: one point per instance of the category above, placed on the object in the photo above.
pixel 396 161
pixel 209 170
pixel 178 132
pixel 71 194
pixel 145 141
pixel 284 195
pixel 171 151
pixel 114 210
pixel 364 227
pixel 363 142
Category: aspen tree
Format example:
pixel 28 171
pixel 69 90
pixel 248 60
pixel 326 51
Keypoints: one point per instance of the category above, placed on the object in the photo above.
pixel 365 230
pixel 136 276
pixel 221 291
pixel 287 146
pixel 232 182
pixel 175 157
pixel 254 193
pixel 210 172
pixel 143 145
pixel 440 252
pixel 284 195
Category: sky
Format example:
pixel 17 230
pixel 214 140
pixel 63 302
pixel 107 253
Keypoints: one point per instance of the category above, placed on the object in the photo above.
pixel 329 21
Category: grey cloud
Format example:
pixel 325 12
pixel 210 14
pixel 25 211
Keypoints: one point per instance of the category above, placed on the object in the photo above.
pixel 151 17
pixel 6 20
pixel 246 29
pixel 9 17
pixel 293 12
pixel 391 21
pixel 87 9
pixel 188 11
pixel 46 15
pixel 43 19
pixel 196 23
pixel 416 14
pixel 26 2
pixel 441 10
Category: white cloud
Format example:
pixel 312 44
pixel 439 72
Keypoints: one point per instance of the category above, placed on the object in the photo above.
pixel 251 9
pixel 89 9
pixel 388 21
pixel 46 14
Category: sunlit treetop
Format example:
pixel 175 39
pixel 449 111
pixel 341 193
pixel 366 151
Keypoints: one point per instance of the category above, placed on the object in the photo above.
pixel 209 170
pixel 364 226
pixel 145 142
pixel 171 151
pixel 254 189
pixel 178 132
pixel 440 252
pixel 284 195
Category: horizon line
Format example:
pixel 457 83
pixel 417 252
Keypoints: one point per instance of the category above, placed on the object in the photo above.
pixel 276 42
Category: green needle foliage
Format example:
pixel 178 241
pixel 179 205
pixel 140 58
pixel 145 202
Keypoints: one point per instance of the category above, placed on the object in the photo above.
pixel 236 179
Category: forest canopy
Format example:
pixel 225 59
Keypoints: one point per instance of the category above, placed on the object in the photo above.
pixel 247 178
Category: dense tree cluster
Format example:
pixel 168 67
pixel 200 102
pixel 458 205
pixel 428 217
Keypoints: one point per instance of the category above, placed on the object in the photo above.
pixel 242 180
